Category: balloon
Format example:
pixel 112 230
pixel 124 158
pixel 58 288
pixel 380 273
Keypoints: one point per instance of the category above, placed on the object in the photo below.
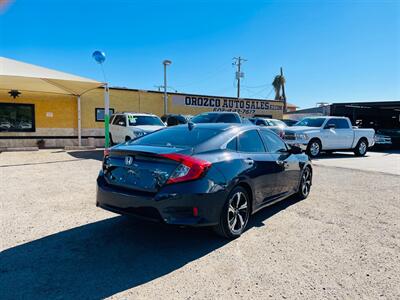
pixel 99 56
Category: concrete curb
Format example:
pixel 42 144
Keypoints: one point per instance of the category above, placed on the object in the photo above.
pixel 79 148
pixel 10 149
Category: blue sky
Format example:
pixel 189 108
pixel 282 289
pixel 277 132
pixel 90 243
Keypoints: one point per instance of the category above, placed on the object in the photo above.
pixel 330 50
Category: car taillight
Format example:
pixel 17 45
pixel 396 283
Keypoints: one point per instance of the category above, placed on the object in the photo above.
pixel 190 168
pixel 106 152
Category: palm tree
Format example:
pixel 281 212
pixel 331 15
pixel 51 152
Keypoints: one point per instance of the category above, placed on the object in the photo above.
pixel 278 84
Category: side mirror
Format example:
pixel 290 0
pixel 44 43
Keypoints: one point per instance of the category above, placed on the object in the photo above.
pixel 295 150
pixel 330 126
pixel 121 123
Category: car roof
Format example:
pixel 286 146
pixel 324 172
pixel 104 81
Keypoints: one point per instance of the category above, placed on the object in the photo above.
pixel 134 113
pixel 219 112
pixel 324 117
pixel 221 126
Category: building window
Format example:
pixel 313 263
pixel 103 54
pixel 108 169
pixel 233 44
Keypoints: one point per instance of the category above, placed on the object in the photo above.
pixel 100 114
pixel 17 117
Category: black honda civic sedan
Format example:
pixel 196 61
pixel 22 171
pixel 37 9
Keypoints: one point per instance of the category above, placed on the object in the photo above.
pixel 202 175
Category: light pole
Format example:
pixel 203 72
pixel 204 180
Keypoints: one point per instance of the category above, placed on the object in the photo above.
pixel 166 63
pixel 100 57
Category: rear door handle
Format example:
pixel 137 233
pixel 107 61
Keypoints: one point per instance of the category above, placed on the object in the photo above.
pixel 249 161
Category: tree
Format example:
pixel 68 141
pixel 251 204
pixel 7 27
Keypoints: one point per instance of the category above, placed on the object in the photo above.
pixel 279 84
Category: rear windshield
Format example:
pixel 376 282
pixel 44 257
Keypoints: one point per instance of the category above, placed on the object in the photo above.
pixel 205 118
pixel 215 118
pixel 277 123
pixel 144 120
pixel 177 137
pixel 311 122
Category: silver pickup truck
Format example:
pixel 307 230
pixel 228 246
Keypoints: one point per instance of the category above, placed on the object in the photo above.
pixel 316 134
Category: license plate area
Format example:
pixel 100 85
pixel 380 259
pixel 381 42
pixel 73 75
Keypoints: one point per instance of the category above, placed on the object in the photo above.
pixel 143 173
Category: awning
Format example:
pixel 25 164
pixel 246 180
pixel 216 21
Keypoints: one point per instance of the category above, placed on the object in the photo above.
pixel 21 76
pixel 16 75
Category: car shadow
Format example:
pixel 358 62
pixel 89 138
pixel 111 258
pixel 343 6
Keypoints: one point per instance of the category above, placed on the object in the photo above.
pixel 257 220
pixel 87 154
pixel 100 259
pixel 336 155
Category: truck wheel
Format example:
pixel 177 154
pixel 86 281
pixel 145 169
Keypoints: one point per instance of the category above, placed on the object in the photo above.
pixel 361 148
pixel 314 148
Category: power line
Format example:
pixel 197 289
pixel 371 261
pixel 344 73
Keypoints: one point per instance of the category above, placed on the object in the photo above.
pixel 256 86
pixel 261 91
pixel 207 76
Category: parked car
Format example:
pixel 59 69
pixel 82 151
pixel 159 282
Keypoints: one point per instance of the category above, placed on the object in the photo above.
pixel 217 117
pixel 24 125
pixel 5 125
pixel 276 126
pixel 316 134
pixel 175 119
pixel 202 175
pixel 382 140
pixel 290 122
pixel 128 126
pixel 390 133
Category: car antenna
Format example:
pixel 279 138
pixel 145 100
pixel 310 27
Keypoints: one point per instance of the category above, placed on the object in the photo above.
pixel 190 125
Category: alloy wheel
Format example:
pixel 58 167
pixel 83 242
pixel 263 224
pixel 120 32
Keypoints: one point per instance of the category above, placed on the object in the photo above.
pixel 306 182
pixel 238 213
pixel 362 148
pixel 314 149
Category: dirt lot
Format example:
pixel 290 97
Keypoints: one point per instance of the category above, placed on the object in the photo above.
pixel 342 242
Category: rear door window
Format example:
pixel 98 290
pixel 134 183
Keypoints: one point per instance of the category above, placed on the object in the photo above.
pixel 250 141
pixel 273 142
pixel 120 120
pixel 339 123
pixel 232 145
pixel 342 124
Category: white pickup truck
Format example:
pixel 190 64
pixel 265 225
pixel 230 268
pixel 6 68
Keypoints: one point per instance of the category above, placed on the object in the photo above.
pixel 316 134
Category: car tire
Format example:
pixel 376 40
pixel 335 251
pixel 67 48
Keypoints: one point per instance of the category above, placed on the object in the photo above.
pixel 314 148
pixel 127 138
pixel 361 148
pixel 234 214
pixel 305 184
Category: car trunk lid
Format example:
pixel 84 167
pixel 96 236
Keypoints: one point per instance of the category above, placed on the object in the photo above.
pixel 142 168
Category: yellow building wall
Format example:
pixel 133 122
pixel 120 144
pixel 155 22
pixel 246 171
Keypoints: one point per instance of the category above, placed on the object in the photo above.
pixel 62 107
pixel 120 100
pixel 137 101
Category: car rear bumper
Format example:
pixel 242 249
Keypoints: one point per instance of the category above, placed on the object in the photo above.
pixel 171 208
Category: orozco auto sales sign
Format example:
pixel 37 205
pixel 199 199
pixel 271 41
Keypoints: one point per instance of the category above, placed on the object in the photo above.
pixel 242 106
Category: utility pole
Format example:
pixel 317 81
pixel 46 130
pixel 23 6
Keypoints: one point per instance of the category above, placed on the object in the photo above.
pixel 237 61
pixel 283 93
pixel 166 63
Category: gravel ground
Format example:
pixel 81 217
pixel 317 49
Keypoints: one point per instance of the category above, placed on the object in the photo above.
pixel 342 242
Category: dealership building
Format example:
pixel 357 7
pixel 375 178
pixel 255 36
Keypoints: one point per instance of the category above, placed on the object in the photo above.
pixel 58 109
